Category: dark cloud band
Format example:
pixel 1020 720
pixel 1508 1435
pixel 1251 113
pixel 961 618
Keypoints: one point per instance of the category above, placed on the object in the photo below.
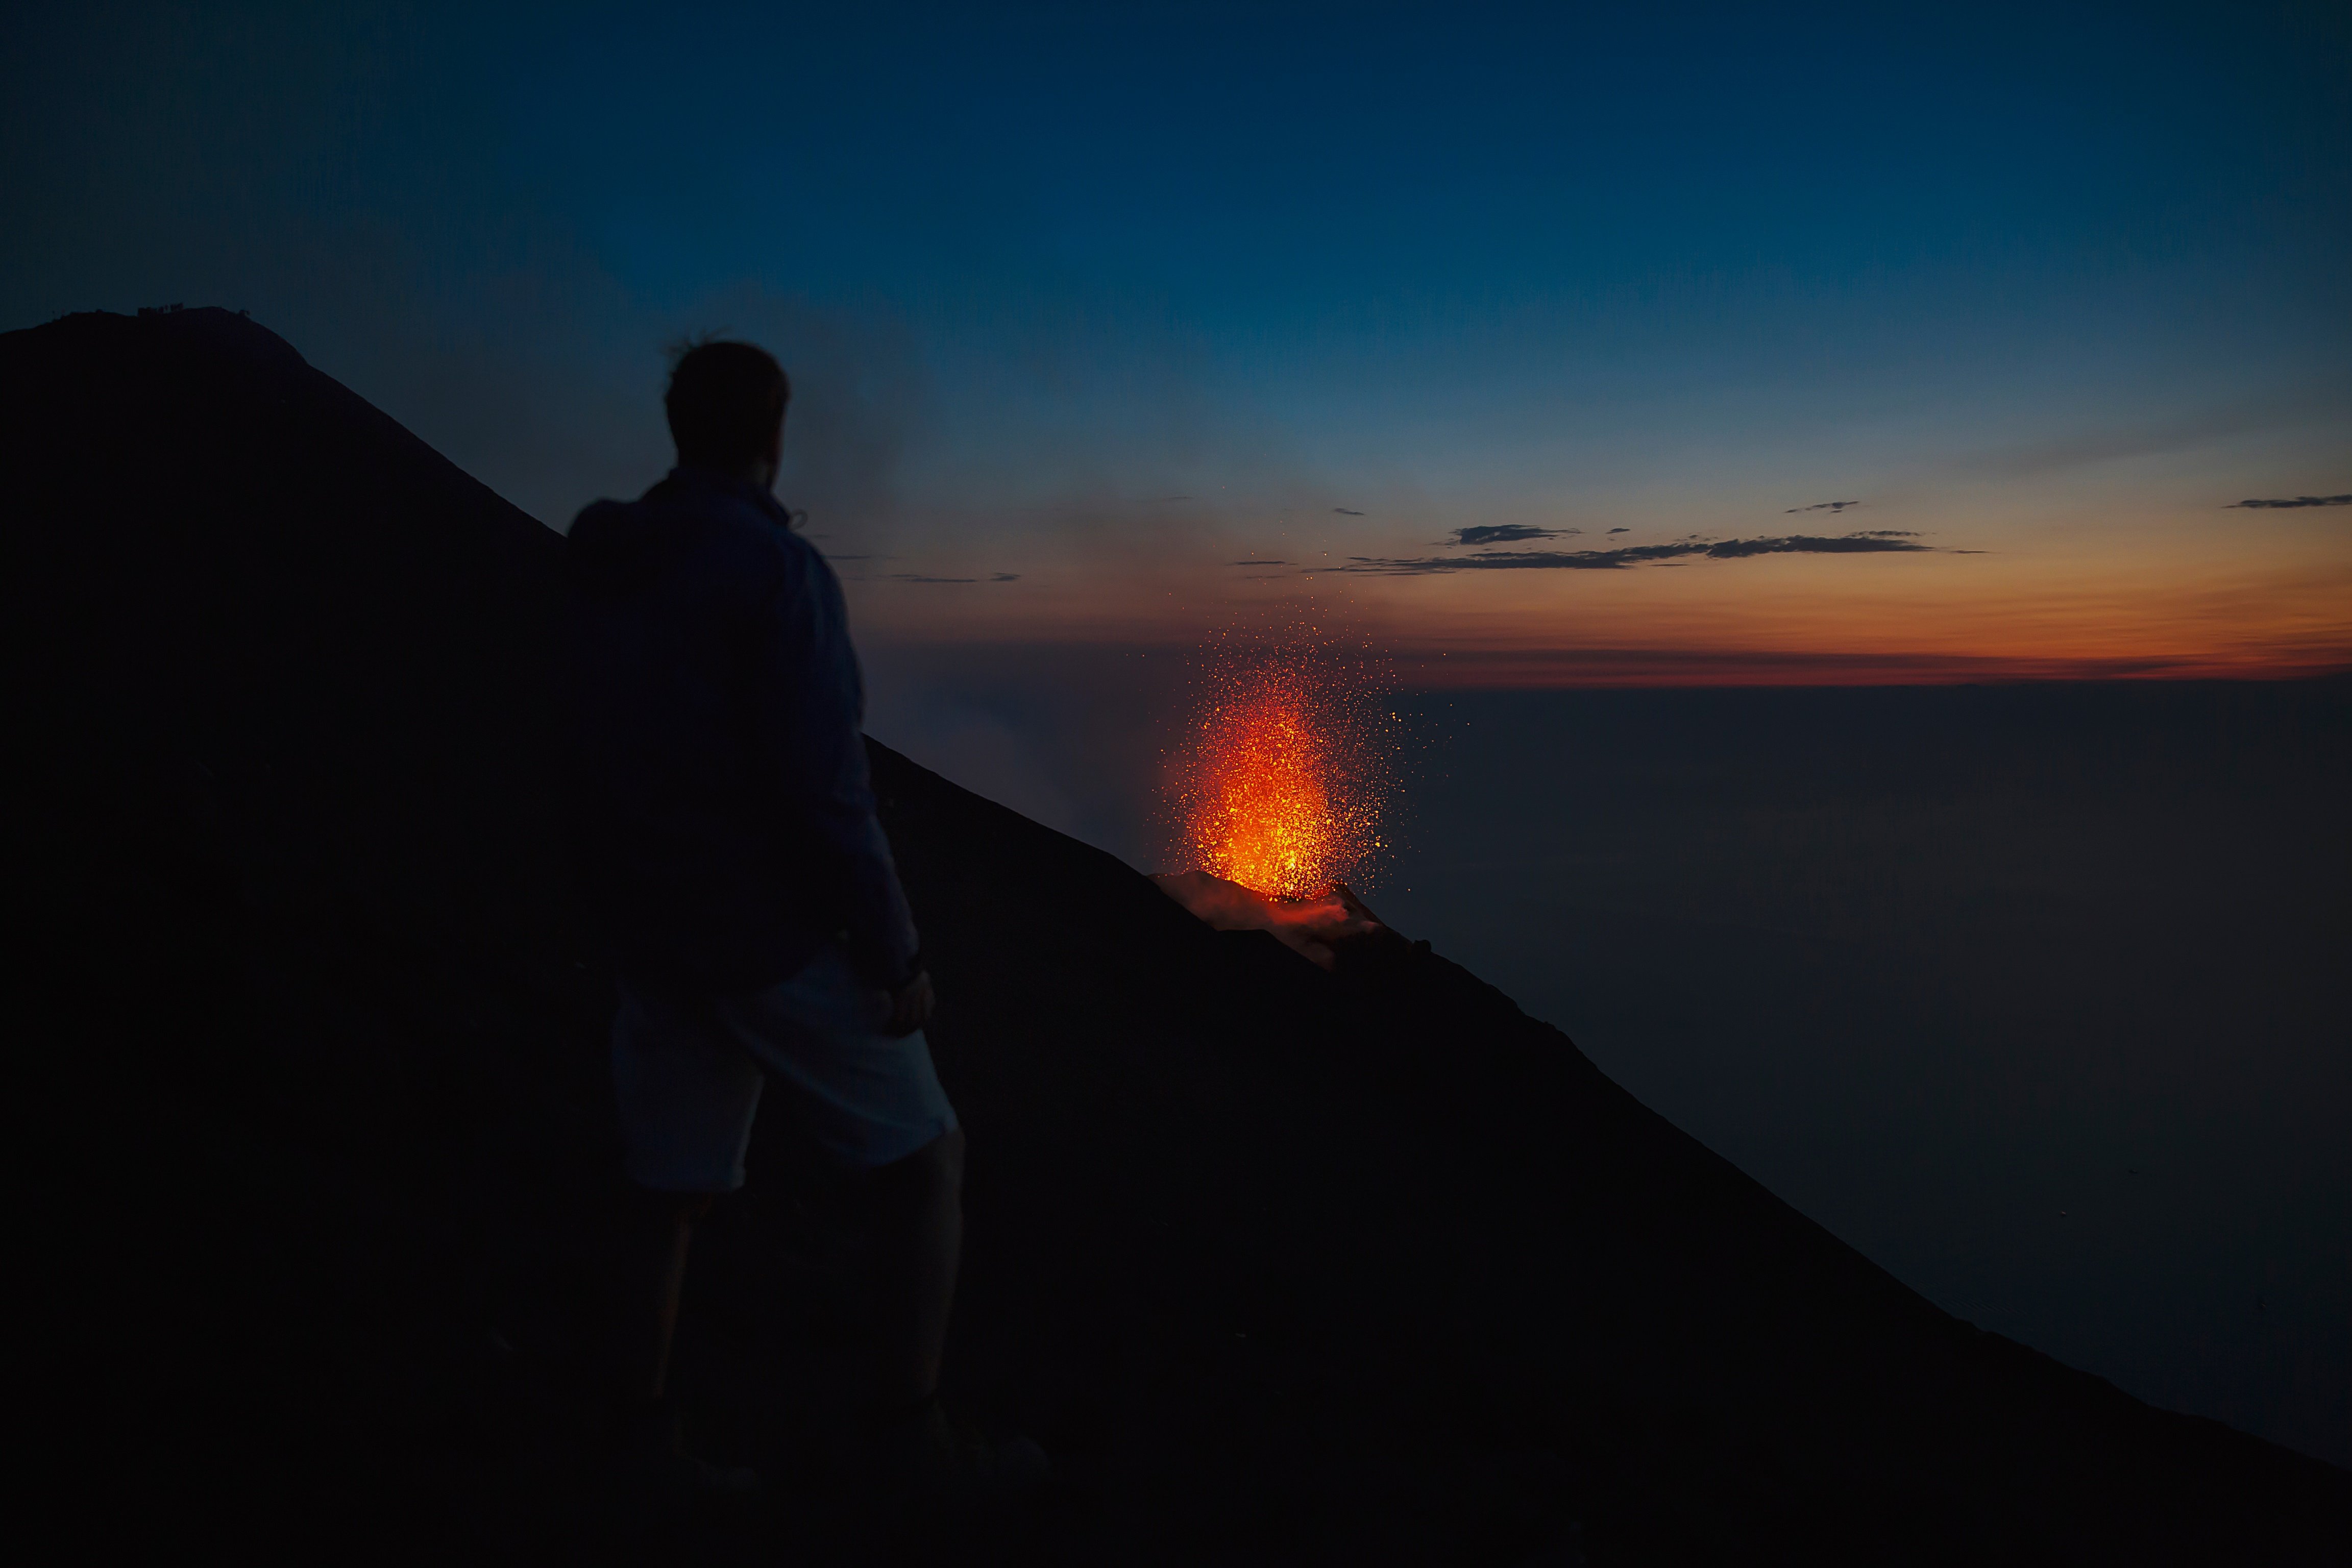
pixel 1878 543
pixel 1508 534
pixel 2287 502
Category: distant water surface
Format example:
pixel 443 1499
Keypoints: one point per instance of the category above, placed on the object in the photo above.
pixel 2041 997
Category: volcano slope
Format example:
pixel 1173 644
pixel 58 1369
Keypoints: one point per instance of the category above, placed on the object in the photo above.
pixel 1284 1265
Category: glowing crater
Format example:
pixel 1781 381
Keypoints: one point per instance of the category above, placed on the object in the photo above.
pixel 1283 773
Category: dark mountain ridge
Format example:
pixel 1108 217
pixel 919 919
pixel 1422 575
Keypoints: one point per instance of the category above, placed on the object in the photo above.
pixel 1284 1265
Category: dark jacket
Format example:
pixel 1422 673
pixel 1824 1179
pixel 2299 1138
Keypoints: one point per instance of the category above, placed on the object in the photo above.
pixel 723 823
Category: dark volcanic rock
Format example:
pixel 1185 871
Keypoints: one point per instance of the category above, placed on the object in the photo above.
pixel 1285 1266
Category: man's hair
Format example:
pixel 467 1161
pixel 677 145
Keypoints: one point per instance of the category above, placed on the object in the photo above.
pixel 725 401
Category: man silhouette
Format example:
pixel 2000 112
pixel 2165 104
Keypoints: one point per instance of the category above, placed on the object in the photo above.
pixel 731 858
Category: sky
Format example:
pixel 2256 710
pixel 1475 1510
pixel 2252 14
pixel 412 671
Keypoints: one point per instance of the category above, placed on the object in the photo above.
pixel 1534 345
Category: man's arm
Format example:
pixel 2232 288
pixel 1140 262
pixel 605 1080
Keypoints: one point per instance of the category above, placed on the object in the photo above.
pixel 807 710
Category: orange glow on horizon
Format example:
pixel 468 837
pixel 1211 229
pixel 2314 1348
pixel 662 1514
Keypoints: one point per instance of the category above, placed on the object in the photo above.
pixel 2004 598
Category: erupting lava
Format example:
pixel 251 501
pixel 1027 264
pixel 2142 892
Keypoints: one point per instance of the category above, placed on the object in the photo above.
pixel 1283 775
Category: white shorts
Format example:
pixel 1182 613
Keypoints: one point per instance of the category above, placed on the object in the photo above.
pixel 689 1073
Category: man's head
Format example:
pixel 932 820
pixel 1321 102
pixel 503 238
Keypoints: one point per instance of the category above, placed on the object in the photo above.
pixel 726 404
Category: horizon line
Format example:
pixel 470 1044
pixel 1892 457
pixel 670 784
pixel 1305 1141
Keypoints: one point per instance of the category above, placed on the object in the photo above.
pixel 1586 669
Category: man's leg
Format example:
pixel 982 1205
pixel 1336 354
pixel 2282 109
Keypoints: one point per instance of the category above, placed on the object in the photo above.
pixel 650 1266
pixel 687 1095
pixel 919 1215
pixel 921 1458
pixel 650 1270
pixel 871 1103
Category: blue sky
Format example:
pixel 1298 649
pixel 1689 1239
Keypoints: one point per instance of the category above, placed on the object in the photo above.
pixel 2050 283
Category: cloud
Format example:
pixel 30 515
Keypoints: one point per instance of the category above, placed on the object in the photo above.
pixel 2290 501
pixel 1621 530
pixel 1627 555
pixel 919 577
pixel 1261 562
pixel 1343 511
pixel 1831 506
pixel 1507 534
pixel 1804 545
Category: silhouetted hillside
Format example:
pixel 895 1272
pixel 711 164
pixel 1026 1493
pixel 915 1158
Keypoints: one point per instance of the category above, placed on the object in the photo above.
pixel 1284 1265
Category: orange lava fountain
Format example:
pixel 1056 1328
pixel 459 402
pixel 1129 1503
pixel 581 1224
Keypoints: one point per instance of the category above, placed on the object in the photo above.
pixel 1281 780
